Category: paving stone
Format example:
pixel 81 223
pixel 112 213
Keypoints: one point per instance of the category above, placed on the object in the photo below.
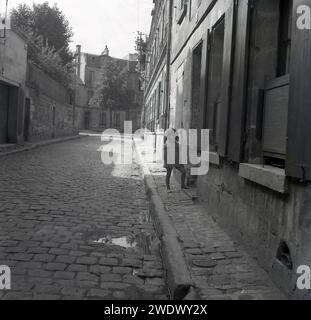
pixel 234 255
pixel 21 256
pixel 122 270
pixel 40 273
pixel 73 292
pixel 97 269
pixel 66 275
pixel 44 257
pixel 108 261
pixel 58 251
pixel 217 256
pixel 133 280
pixel 98 293
pixel 46 297
pixel 30 265
pixel 47 289
pixel 87 260
pixel 119 294
pixel 135 263
pixel 110 277
pixel 206 263
pixel 65 259
pixel 78 268
pixel 114 285
pixel 87 276
pixel 87 284
pixel 55 266
pixel 17 296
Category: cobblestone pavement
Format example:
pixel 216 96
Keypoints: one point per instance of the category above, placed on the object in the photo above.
pixel 220 268
pixel 73 228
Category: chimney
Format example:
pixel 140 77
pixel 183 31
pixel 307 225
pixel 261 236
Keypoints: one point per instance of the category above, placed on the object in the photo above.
pixel 106 51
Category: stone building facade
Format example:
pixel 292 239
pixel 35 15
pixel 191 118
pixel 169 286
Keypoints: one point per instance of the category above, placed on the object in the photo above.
pixel 241 69
pixel 89 68
pixel 13 66
pixel 156 97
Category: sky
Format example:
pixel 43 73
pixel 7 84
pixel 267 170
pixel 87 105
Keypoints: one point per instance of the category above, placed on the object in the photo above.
pixel 97 23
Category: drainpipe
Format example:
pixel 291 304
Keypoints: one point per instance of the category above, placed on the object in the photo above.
pixel 168 65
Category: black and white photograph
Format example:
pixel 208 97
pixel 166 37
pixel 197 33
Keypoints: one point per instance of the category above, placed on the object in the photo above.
pixel 155 150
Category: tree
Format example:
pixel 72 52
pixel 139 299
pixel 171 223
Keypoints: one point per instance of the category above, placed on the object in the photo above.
pixel 112 91
pixel 46 22
pixel 48 36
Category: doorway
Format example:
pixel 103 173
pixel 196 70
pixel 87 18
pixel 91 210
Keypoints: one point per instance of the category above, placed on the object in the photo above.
pixel 87 116
pixel 4 109
pixel 27 120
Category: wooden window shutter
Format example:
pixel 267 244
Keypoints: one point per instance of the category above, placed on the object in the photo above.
pixel 239 82
pixel 298 162
pixel 226 80
pixel 181 10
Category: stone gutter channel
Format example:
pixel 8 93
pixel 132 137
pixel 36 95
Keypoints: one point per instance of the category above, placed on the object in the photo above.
pixel 180 283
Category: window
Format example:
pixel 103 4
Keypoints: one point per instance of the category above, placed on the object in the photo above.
pixel 285 30
pixel 117 120
pixel 90 95
pixel 103 120
pixel 91 77
pixel 215 69
pixel 163 23
pixel 266 132
pixel 181 11
pixel 196 84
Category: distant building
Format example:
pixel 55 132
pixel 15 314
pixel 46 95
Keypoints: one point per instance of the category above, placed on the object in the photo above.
pixel 89 68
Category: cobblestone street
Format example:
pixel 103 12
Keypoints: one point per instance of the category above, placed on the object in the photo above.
pixel 73 228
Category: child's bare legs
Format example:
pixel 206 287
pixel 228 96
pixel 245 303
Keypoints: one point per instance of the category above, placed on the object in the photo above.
pixel 168 177
pixel 182 169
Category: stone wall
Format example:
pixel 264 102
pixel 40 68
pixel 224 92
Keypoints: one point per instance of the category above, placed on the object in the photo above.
pixel 263 219
pixel 50 118
pixel 51 114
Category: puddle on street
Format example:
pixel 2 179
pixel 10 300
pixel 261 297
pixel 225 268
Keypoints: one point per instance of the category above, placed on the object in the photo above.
pixel 142 242
pixel 145 242
pixel 124 242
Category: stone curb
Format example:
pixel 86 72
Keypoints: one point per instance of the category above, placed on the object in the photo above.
pixel 40 144
pixel 178 276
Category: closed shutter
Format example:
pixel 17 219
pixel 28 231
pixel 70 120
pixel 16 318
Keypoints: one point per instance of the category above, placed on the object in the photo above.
pixel 298 162
pixel 226 80
pixel 237 113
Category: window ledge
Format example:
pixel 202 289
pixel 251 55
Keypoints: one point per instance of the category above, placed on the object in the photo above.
pixel 214 158
pixel 268 176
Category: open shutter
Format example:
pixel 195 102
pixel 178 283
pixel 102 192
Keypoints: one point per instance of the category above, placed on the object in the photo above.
pixel 204 73
pixel 226 80
pixel 181 10
pixel 298 162
pixel 238 97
